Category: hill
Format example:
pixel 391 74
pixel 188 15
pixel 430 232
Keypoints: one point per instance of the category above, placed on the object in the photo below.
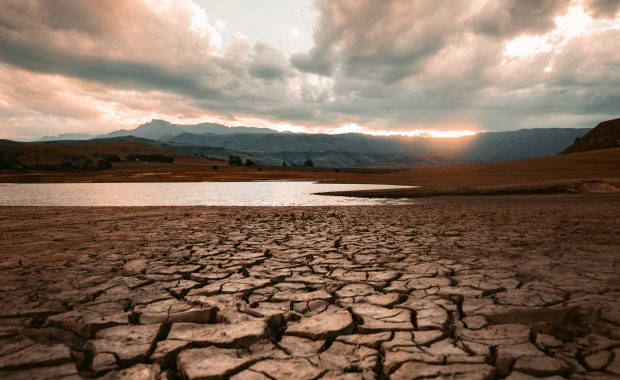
pixel 158 129
pixel 354 149
pixel 592 171
pixel 605 135
pixel 55 155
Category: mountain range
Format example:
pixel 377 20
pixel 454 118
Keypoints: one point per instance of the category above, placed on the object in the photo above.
pixel 157 129
pixel 270 147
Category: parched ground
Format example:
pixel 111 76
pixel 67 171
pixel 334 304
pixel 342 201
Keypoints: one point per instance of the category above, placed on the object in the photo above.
pixel 468 288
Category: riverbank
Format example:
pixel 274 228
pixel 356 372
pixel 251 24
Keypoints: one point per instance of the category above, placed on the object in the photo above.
pixel 474 287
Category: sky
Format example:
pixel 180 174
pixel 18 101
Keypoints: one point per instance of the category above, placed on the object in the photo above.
pixel 411 67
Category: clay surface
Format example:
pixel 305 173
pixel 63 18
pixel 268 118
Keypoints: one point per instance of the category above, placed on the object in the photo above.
pixel 480 288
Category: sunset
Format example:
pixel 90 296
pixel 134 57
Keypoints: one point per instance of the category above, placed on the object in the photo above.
pixel 309 189
pixel 78 66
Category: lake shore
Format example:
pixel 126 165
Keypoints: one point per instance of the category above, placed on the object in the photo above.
pixel 594 171
pixel 475 287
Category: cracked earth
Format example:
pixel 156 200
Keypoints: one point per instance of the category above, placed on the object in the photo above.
pixel 477 288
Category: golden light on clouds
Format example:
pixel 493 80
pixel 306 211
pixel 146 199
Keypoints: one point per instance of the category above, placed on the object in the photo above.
pixel 376 67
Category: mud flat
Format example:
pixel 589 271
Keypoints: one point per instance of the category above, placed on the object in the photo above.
pixel 513 287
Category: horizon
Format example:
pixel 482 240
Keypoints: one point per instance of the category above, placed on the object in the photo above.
pixel 430 134
pixel 378 68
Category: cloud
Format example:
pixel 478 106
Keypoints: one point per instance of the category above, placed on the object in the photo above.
pixel 268 63
pixel 381 65
pixel 603 8
pixel 509 18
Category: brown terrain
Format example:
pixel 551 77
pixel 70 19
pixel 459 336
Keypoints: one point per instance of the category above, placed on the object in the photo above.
pixel 592 171
pixel 51 152
pixel 519 286
pixel 605 135
pixel 516 287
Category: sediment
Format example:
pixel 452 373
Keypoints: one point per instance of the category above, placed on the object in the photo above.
pixel 478 288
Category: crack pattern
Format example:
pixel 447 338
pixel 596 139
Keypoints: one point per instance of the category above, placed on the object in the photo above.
pixel 443 290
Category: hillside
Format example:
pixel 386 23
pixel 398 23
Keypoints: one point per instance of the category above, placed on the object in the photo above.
pixel 354 149
pixel 604 136
pixel 54 155
pixel 158 129
pixel 593 171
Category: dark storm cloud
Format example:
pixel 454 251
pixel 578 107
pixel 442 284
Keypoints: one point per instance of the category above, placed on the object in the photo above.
pixel 389 64
pixel 603 8
pixel 379 40
pixel 121 73
pixel 507 18
pixel 269 63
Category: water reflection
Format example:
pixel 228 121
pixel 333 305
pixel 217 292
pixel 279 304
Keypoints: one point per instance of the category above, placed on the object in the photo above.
pixel 259 193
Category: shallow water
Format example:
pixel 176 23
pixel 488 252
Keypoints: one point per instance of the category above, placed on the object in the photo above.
pixel 256 193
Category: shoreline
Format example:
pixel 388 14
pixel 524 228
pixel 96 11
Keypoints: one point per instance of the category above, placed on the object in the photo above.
pixel 593 171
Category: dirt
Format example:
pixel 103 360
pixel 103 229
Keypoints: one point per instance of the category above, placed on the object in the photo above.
pixel 463 287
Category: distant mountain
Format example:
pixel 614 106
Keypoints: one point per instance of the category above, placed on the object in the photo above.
pixel 270 147
pixel 154 130
pixel 605 135
pixel 68 136
pixel 159 129
pixel 354 149
pixel 220 129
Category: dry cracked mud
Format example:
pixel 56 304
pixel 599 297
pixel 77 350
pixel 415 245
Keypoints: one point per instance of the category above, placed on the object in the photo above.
pixel 477 288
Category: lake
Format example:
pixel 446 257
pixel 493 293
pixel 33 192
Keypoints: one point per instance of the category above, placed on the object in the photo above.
pixel 255 193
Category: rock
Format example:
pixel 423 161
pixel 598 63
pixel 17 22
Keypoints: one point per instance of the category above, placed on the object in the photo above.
pixel 248 374
pixel 137 372
pixel 59 372
pixel 300 347
pixel 544 341
pixel 423 338
pixel 299 369
pixel 325 325
pixel 376 318
pixel 394 358
pixel 91 318
pixel 301 296
pixel 598 361
pixel 240 334
pixel 166 351
pixel 507 354
pixel 129 344
pixel 20 353
pixel 464 371
pixel 522 376
pixel 51 335
pixel 475 322
pixel 368 340
pixel 103 362
pixel 497 334
pixel 540 366
pixel 173 310
pixel 211 363
pixel 614 366
pixel 348 358
pixel 135 266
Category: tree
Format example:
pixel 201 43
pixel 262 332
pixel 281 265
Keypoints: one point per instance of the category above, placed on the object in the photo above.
pixel 234 161
pixel 104 163
pixel 308 163
pixel 283 163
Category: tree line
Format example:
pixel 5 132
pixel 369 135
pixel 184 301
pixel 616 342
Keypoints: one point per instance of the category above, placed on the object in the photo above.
pixel 236 161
